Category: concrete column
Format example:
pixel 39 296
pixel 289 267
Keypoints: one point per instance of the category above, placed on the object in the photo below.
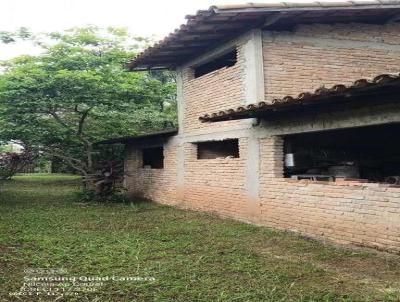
pixel 180 99
pixel 253 93
pixel 253 167
pixel 180 177
pixel 254 68
pixel 252 181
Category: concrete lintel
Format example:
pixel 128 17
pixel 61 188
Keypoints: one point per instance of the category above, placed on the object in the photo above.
pixel 221 135
pixel 370 116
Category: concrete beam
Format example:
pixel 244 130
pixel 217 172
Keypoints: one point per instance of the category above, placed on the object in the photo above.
pixel 369 116
pixel 291 37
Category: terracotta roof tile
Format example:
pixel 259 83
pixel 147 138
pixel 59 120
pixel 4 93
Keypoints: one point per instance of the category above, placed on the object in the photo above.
pixel 208 28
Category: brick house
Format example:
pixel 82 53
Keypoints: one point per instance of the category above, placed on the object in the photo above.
pixel 288 117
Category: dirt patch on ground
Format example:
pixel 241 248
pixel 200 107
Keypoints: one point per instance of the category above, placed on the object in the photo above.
pixel 7 249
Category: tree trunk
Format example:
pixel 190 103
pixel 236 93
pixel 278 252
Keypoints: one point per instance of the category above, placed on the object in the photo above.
pixel 89 155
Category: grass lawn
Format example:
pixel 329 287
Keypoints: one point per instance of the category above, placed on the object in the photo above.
pixel 191 256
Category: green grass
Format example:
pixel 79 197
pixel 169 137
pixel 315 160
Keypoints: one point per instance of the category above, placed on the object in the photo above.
pixel 41 177
pixel 192 256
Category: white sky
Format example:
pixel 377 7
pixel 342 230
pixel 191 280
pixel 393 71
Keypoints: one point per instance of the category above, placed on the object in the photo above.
pixel 144 18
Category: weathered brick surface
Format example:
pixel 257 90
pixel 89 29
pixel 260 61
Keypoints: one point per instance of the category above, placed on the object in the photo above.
pixel 350 213
pixel 361 214
pixel 302 65
pixel 154 184
pixel 220 89
pixel 388 34
pixel 216 185
pixel 213 185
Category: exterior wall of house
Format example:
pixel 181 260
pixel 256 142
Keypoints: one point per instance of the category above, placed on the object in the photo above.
pixel 221 89
pixel 216 185
pixel 312 56
pixel 359 214
pixel 345 212
pixel 154 184
pixel 211 92
pixel 252 187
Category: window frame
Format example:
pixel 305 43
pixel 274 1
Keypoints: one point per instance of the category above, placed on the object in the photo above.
pixel 145 163
pixel 232 50
pixel 217 146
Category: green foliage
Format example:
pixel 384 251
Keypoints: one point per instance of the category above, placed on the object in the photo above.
pixel 117 195
pixel 77 92
pixel 22 33
pixel 43 165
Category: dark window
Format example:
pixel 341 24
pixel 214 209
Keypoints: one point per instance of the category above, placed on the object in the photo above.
pixel 218 149
pixel 227 60
pixel 153 157
pixel 358 154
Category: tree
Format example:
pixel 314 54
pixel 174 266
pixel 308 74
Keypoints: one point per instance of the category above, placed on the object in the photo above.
pixel 22 33
pixel 76 92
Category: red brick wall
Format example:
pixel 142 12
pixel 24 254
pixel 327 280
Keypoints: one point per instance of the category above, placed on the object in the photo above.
pixel 213 185
pixel 388 34
pixel 358 214
pixel 365 214
pixel 220 89
pixel 154 184
pixel 216 185
pixel 304 64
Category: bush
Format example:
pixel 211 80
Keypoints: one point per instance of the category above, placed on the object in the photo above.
pixel 12 163
pixel 117 195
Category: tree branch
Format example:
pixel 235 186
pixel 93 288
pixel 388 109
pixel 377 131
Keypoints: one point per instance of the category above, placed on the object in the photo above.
pixel 58 119
pixel 82 121
pixel 73 162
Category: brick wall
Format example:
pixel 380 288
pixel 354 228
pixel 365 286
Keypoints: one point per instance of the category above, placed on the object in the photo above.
pixel 154 184
pixel 317 55
pixel 387 34
pixel 216 185
pixel 325 55
pixel 348 213
pixel 220 89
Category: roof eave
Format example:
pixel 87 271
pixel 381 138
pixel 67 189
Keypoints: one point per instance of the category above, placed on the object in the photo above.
pixel 131 139
pixel 173 50
pixel 307 6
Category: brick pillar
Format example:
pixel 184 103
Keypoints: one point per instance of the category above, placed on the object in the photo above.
pixel 272 157
pixel 132 164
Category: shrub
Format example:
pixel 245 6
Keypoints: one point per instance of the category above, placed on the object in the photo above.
pixel 12 163
pixel 117 195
